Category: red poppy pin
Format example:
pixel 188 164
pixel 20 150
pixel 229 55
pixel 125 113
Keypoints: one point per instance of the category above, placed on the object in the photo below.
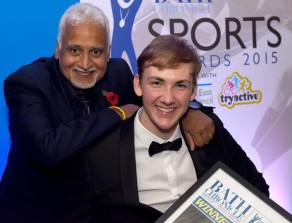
pixel 111 97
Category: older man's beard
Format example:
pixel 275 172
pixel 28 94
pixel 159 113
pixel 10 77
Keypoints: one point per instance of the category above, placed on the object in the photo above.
pixel 80 84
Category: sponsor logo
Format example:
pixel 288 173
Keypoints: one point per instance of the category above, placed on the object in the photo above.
pixel 237 90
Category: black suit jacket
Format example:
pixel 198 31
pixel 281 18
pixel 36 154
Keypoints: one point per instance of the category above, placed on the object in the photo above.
pixel 106 180
pixel 47 125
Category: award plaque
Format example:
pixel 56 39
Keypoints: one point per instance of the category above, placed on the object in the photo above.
pixel 222 196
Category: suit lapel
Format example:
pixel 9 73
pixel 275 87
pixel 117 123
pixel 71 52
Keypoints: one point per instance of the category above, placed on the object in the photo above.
pixel 128 162
pixel 199 157
pixel 200 161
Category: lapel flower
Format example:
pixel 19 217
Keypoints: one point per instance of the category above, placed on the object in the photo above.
pixel 111 97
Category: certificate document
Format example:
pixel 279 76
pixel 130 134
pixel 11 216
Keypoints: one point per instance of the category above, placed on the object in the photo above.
pixel 222 196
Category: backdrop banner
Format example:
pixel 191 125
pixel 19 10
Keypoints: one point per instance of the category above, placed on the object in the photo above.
pixel 245 49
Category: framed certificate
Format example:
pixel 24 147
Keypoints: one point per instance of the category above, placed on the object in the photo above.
pixel 222 196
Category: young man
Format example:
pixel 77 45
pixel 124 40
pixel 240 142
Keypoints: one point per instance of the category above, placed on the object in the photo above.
pixel 138 179
pixel 57 107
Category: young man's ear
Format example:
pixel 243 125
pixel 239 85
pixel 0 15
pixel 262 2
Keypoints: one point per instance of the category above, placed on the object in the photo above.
pixel 194 94
pixel 137 86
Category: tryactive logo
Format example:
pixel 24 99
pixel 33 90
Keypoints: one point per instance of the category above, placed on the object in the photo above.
pixel 237 90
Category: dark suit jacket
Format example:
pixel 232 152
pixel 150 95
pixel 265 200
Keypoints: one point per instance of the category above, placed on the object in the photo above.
pixel 47 125
pixel 105 175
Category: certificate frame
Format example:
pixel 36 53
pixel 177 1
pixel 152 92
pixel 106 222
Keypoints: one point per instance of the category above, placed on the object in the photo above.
pixel 221 195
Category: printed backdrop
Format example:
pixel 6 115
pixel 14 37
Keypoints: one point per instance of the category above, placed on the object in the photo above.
pixel 244 47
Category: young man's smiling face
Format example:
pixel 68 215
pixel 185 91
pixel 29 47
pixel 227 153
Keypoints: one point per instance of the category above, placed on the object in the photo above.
pixel 166 94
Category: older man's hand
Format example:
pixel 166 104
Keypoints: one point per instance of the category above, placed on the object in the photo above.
pixel 198 128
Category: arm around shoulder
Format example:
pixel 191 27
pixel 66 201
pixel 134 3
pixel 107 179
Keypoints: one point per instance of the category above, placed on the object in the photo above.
pixel 198 126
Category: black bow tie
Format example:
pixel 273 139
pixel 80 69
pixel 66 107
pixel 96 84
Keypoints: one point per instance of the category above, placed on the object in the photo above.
pixel 156 147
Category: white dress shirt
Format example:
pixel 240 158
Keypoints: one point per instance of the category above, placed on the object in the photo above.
pixel 165 176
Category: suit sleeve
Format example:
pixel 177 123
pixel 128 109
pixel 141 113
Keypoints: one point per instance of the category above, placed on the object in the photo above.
pixel 35 129
pixel 235 157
